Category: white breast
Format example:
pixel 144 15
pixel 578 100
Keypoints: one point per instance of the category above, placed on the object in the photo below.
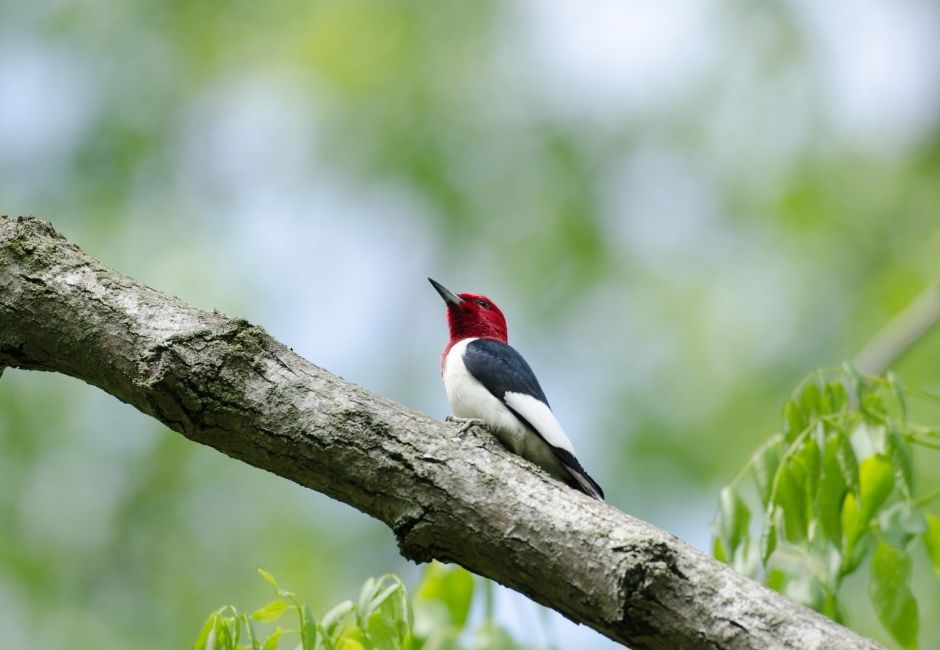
pixel 469 399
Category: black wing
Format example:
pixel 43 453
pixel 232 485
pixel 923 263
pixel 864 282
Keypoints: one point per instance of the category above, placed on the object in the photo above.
pixel 501 369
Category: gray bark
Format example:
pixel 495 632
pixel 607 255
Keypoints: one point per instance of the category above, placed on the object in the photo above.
pixel 226 383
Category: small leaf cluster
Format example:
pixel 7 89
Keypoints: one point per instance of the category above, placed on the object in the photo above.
pixel 383 617
pixel 832 491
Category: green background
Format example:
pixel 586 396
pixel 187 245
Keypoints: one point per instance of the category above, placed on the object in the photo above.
pixel 682 208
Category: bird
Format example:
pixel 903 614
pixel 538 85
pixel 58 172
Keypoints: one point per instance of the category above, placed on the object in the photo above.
pixel 489 383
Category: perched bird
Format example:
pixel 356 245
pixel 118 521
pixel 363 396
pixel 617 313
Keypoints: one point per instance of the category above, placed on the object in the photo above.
pixel 489 383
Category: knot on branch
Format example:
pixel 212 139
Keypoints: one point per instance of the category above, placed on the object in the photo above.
pixel 411 530
pixel 650 578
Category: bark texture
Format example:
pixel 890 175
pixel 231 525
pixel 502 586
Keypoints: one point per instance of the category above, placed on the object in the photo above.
pixel 226 383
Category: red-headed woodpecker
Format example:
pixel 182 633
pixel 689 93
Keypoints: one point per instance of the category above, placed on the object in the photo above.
pixel 489 383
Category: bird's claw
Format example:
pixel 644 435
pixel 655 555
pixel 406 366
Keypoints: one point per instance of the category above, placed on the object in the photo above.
pixel 465 424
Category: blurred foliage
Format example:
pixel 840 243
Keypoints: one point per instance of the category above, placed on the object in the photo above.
pixel 681 208
pixel 382 618
pixel 835 490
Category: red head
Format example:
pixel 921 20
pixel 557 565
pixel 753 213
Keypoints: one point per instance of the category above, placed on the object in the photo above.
pixel 472 315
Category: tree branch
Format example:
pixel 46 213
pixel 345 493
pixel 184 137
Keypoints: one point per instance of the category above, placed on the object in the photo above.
pixel 226 383
pixel 902 333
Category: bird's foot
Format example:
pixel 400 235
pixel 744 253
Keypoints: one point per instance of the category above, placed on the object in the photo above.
pixel 465 424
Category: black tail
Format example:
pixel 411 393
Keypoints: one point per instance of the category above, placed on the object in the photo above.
pixel 580 478
pixel 586 484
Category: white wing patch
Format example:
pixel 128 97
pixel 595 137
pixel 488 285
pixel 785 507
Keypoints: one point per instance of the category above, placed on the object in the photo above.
pixel 538 414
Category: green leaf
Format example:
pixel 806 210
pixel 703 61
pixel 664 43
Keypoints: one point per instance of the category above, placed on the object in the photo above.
pixel 219 636
pixel 851 519
pixel 848 463
pixel 876 482
pixel 385 599
pixel 308 626
pixel 212 640
pixel 873 406
pixel 811 459
pixel 777 580
pixel 271 642
pixel 384 634
pixel 830 607
pixel 855 540
pixel 791 497
pixel 204 633
pixel 385 596
pixel 270 612
pixel 336 619
pixel 876 478
pixel 838 399
pixel 267 577
pixel 250 630
pixel 718 550
pixel 450 585
pixel 902 521
pixel 385 618
pixel 223 636
pixel 900 454
pixel 831 492
pixel 768 538
pixel 810 398
pixel 793 421
pixel 764 464
pixel 891 593
pixel 932 541
pixel 366 593
pixel 734 517
pixel 235 626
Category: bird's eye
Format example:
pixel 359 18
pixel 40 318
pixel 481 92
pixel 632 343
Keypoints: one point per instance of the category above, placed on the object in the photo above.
pixel 483 303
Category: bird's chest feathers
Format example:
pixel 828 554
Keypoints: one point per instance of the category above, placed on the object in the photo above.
pixel 470 399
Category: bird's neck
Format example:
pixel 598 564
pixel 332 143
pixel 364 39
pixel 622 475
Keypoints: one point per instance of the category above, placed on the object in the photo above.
pixel 455 339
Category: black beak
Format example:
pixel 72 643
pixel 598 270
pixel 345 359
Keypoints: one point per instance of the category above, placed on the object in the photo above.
pixel 449 297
